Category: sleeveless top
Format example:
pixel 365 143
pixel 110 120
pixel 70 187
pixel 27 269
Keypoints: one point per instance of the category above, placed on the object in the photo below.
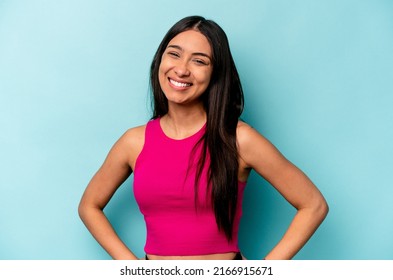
pixel 177 224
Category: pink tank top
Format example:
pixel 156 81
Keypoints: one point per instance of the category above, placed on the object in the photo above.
pixel 164 191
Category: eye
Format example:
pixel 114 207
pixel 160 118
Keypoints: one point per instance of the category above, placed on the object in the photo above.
pixel 173 54
pixel 200 61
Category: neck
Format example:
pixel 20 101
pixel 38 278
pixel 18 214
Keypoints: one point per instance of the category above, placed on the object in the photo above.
pixel 183 122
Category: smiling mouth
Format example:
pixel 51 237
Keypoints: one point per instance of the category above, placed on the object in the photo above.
pixel 179 84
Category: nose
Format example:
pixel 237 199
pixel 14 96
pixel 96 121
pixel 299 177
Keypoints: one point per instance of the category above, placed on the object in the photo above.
pixel 181 69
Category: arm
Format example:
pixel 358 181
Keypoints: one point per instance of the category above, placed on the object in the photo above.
pixel 116 168
pixel 258 153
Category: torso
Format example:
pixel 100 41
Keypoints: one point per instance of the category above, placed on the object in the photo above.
pixel 136 141
pixel 136 138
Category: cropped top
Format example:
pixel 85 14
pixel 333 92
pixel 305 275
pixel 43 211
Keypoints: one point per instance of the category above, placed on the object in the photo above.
pixel 164 178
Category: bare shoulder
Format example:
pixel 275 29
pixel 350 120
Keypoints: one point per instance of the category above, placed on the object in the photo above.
pixel 247 135
pixel 134 135
pixel 134 139
pixel 128 146
pixel 254 149
pixel 242 127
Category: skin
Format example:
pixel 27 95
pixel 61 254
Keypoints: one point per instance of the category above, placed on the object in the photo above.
pixel 184 75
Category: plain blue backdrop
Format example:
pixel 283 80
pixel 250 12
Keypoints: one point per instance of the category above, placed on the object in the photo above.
pixel 318 82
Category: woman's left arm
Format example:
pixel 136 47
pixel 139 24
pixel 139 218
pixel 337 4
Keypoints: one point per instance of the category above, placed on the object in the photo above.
pixel 258 153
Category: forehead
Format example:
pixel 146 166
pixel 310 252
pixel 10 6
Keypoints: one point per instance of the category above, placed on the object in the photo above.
pixel 191 41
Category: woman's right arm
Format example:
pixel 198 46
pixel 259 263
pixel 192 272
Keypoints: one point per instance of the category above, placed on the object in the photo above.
pixel 114 171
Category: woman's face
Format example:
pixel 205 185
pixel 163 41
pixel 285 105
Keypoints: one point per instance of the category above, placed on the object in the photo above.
pixel 186 68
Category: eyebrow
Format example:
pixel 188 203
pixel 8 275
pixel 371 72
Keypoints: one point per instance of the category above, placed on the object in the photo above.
pixel 195 53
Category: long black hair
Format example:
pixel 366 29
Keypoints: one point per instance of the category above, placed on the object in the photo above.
pixel 223 102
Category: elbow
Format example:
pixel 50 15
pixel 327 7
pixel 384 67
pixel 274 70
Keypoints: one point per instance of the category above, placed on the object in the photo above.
pixel 88 209
pixel 321 208
pixel 81 210
pixel 317 208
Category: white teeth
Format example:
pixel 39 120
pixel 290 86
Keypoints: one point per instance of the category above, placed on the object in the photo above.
pixel 178 84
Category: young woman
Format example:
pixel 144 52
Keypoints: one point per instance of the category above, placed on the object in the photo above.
pixel 192 160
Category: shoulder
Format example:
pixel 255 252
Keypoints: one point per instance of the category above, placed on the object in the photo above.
pixel 253 147
pixel 134 134
pixel 133 139
pixel 137 134
pixel 246 134
pixel 129 145
pixel 242 127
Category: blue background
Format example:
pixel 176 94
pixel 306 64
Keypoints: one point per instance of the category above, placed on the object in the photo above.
pixel 318 82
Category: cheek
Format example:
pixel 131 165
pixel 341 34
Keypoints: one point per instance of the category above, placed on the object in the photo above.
pixel 161 75
pixel 164 65
pixel 206 77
